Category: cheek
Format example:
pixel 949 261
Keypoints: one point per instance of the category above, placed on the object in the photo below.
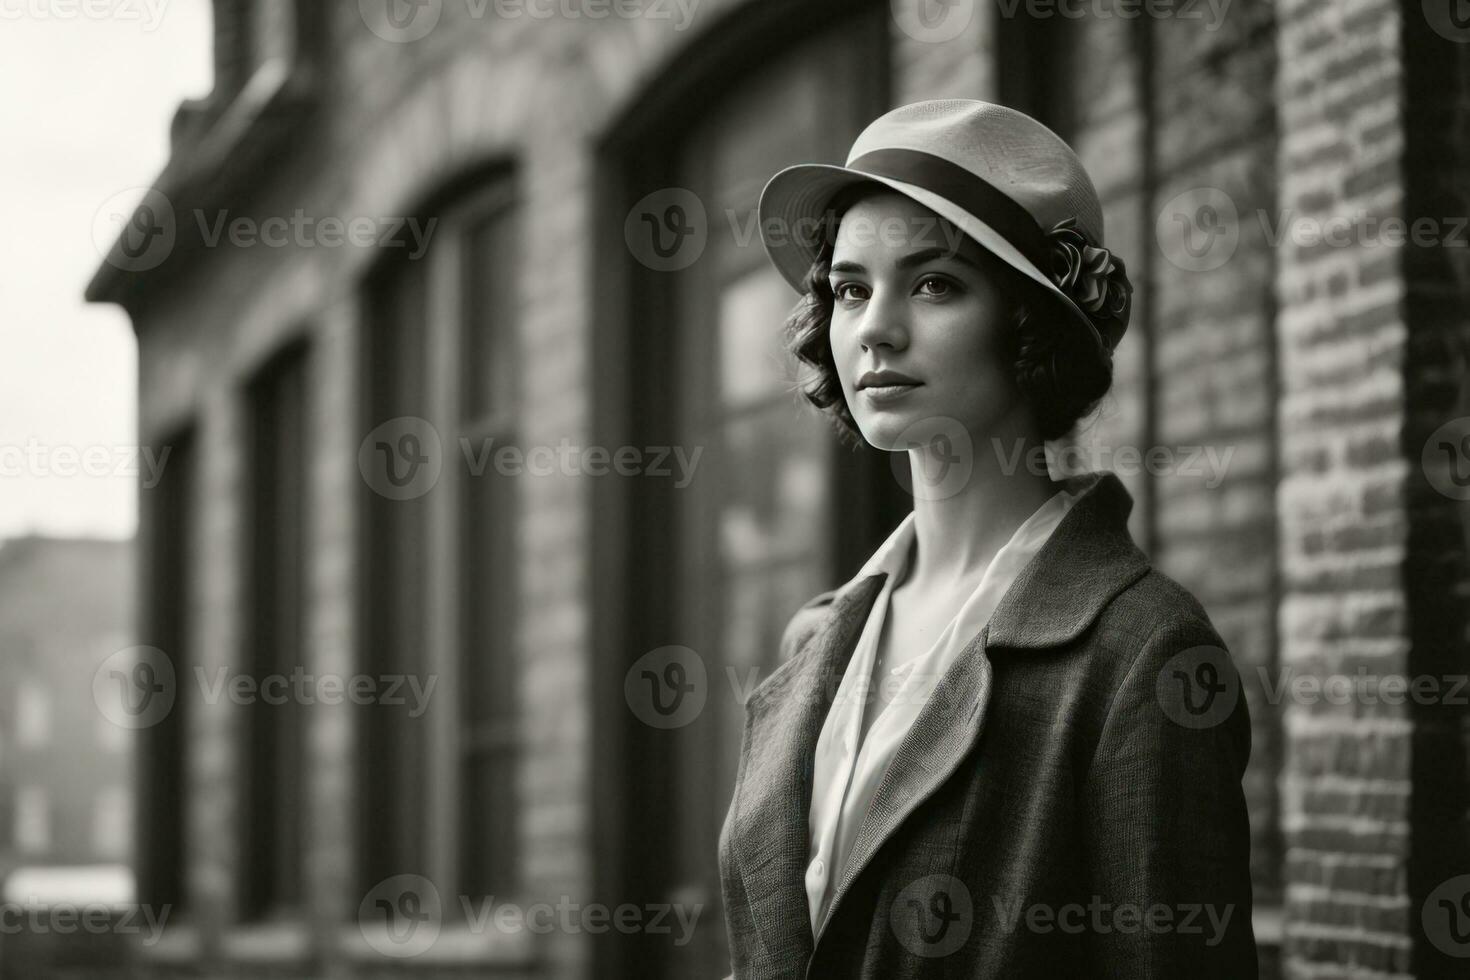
pixel 845 349
pixel 967 342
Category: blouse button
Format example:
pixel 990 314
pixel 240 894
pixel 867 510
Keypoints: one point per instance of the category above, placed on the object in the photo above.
pixel 818 868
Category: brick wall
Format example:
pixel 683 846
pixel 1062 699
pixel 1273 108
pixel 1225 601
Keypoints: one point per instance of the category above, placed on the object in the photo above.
pixel 1342 334
pixel 1214 366
pixel 1170 113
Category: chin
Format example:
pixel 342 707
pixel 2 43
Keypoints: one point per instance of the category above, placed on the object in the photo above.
pixel 891 429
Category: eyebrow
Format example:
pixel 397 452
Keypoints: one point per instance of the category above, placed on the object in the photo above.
pixel 913 259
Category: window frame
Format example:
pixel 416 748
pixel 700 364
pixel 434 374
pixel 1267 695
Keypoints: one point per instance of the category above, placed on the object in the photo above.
pixel 443 387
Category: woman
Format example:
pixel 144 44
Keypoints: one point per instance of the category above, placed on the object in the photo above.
pixel 1008 747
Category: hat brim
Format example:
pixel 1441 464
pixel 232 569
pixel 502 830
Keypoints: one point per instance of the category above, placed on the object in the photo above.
pixel 795 199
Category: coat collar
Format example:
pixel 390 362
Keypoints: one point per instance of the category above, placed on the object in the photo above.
pixel 1086 562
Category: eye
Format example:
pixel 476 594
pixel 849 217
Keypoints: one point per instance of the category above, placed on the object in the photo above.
pixel 850 292
pixel 936 287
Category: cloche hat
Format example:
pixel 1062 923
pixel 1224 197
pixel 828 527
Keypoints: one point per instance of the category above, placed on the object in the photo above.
pixel 1000 176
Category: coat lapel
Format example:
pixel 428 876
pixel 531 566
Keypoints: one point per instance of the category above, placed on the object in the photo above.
pixel 784 715
pixel 947 727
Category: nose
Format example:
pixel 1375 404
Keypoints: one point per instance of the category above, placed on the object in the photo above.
pixel 884 321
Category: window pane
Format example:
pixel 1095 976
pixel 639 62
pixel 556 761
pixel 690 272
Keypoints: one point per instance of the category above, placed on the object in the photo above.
pixel 168 513
pixel 487 525
pixel 753 361
pixel 393 595
pixel 488 276
pixel 776 472
pixel 270 821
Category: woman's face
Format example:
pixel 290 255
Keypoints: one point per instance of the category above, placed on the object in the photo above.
pixel 918 318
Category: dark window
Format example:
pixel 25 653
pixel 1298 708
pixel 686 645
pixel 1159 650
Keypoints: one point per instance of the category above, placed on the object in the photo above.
pixel 439 583
pixel 1036 59
pixel 277 474
pixel 168 519
pixel 394 595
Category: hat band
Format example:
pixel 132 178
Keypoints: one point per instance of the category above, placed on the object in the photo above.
pixel 959 186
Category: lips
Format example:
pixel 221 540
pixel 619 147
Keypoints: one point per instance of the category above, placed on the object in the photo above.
pixel 880 387
pixel 886 379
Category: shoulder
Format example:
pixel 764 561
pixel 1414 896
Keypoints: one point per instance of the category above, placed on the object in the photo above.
pixel 1153 624
pixel 1162 650
pixel 1156 608
pixel 804 622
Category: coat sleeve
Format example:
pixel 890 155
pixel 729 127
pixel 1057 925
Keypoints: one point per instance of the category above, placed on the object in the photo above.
pixel 1168 835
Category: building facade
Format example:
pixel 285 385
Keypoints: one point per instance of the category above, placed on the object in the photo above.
pixel 66 788
pixel 436 303
pixel 67 791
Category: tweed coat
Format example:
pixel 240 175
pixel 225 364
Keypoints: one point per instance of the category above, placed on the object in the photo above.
pixel 1067 804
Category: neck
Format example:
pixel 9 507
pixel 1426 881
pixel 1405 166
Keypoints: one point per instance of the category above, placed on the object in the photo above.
pixel 958 530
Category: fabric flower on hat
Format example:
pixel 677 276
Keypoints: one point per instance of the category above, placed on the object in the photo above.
pixel 1094 278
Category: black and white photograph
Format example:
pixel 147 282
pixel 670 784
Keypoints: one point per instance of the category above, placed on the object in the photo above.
pixel 735 490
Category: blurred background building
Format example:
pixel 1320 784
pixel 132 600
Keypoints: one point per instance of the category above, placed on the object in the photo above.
pixel 566 256
pixel 66 771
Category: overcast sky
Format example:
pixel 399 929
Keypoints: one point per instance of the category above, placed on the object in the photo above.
pixel 89 87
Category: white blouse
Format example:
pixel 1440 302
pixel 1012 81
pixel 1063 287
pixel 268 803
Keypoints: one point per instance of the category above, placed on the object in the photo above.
pixel 846 774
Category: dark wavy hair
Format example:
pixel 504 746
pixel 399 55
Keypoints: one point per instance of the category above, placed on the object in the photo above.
pixel 1057 367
